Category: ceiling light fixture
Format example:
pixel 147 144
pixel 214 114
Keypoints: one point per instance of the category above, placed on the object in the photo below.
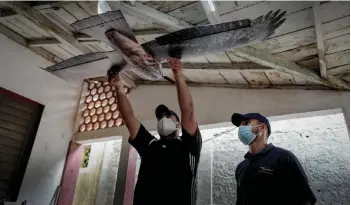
pixel 211 5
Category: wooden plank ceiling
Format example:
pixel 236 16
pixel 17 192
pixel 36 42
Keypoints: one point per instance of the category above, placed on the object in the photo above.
pixel 295 40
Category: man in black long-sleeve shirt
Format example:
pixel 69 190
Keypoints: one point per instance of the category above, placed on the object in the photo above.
pixel 168 170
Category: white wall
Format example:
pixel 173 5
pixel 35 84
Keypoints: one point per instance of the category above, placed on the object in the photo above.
pixel 216 105
pixel 20 73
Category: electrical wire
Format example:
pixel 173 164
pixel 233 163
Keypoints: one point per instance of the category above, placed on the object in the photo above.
pixel 216 135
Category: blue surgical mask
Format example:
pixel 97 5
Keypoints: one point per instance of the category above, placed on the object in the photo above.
pixel 246 136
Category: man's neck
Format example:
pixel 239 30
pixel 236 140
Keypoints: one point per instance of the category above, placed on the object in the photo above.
pixel 257 147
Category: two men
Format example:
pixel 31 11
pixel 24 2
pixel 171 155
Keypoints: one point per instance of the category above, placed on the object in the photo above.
pixel 168 170
pixel 168 167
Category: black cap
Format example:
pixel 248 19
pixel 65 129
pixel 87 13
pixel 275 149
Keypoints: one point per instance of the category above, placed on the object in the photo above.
pixel 161 110
pixel 238 118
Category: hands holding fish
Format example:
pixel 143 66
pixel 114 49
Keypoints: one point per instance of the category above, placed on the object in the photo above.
pixel 176 66
pixel 116 81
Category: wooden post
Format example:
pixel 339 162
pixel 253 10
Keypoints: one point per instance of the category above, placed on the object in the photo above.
pixel 320 39
pixel 125 177
pixel 70 173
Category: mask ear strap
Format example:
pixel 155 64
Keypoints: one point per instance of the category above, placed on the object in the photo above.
pixel 263 128
pixel 178 125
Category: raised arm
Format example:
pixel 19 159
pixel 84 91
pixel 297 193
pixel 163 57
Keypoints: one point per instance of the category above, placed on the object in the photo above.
pixel 125 107
pixel 185 100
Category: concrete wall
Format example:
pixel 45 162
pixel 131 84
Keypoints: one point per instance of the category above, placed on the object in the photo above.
pixel 215 105
pixel 20 72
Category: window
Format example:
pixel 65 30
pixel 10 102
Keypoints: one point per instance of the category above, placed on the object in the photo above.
pixel 100 109
pixel 19 121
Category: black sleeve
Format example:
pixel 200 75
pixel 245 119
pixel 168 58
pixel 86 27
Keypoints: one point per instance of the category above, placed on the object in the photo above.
pixel 142 140
pixel 237 184
pixel 239 176
pixel 194 143
pixel 300 190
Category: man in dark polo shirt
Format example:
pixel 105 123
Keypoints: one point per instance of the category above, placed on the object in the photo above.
pixel 268 174
pixel 168 169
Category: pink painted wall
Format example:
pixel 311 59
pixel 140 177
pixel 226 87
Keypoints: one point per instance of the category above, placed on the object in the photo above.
pixel 129 188
pixel 70 174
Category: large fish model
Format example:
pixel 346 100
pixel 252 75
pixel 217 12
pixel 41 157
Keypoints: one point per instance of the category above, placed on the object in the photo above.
pixel 145 60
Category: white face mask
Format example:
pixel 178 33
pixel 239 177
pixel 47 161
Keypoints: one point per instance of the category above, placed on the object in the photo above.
pixel 166 126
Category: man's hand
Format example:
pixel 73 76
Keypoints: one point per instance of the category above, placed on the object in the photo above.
pixel 116 81
pixel 184 98
pixel 176 66
pixel 125 107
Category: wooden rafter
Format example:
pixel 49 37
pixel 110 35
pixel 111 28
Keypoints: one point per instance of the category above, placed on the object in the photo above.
pixel 281 64
pixel 212 16
pixel 6 13
pixel 141 12
pixel 23 41
pixel 86 39
pixel 319 38
pixel 238 86
pixel 214 66
pixel 44 23
pixel 39 5
pixel 51 42
pixel 132 2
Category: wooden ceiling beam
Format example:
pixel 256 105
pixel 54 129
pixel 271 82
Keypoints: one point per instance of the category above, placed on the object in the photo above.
pixel 283 65
pixel 44 23
pixel 238 86
pixel 23 41
pixel 86 39
pixel 82 36
pixel 39 5
pixel 43 42
pixel 131 2
pixel 212 16
pixel 52 42
pixel 213 66
pixel 143 12
pixel 150 32
pixel 319 38
pixel 7 13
